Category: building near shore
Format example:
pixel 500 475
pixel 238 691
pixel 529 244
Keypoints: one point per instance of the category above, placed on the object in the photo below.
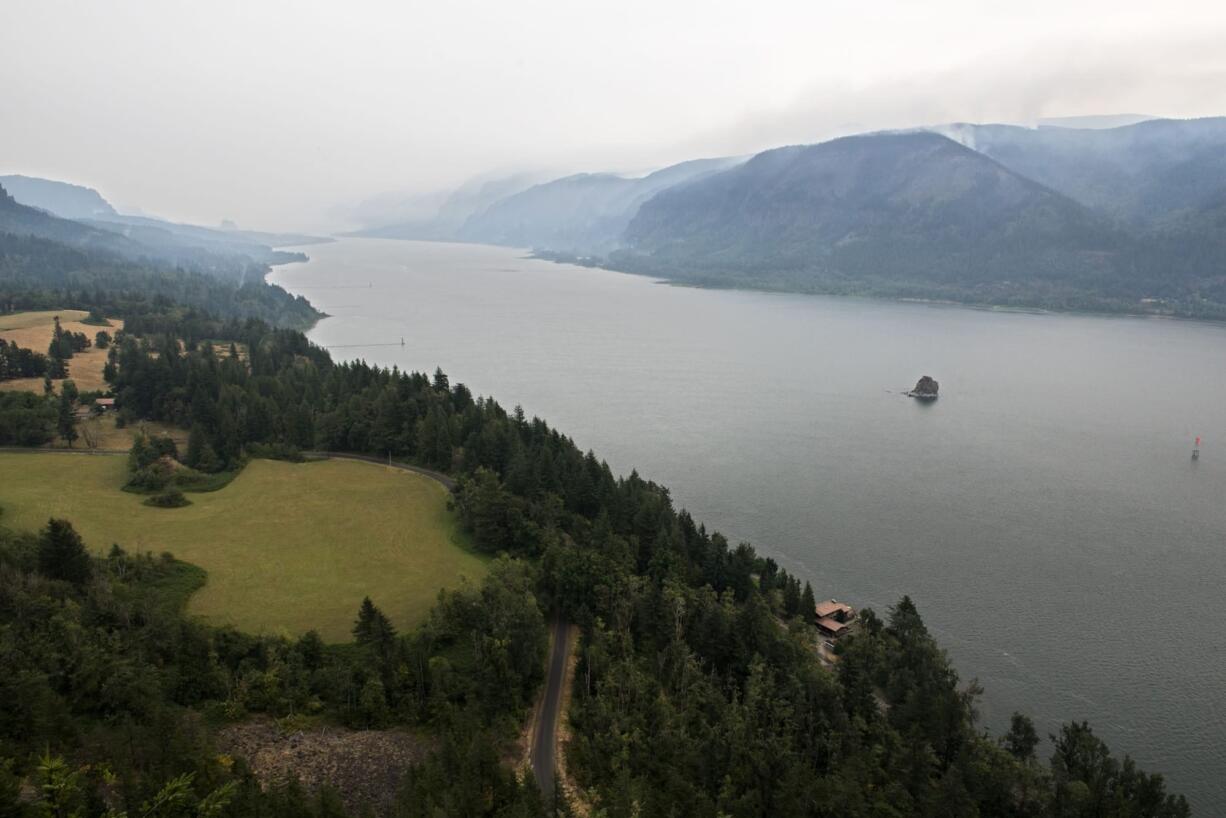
pixel 834 618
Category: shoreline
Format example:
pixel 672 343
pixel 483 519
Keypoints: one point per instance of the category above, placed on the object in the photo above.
pixel 981 306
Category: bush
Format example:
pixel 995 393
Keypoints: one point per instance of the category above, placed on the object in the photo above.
pixel 170 498
pixel 153 477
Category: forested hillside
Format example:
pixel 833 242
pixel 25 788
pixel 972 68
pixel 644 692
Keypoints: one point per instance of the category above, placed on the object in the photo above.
pixel 1144 174
pixel 915 215
pixel 698 690
pixel 52 263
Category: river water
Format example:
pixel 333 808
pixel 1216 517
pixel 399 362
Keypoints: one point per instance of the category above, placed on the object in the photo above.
pixel 1044 513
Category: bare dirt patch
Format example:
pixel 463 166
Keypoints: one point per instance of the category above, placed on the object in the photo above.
pixel 221 350
pixel 364 766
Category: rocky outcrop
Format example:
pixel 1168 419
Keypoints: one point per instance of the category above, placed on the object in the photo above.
pixel 925 389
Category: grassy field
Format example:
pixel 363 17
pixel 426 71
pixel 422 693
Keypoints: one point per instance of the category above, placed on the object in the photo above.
pixel 34 330
pixel 287 546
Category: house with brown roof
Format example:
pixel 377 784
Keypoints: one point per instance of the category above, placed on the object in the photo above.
pixel 834 618
pixel 838 611
pixel 832 628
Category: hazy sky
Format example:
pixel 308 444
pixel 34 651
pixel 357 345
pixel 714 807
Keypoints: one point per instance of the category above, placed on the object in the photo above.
pixel 273 113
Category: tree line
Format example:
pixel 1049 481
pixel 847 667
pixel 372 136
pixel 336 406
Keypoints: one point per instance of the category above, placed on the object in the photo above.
pixel 109 689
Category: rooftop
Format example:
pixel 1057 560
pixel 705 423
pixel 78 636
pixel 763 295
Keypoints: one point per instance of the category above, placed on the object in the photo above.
pixel 831 625
pixel 833 606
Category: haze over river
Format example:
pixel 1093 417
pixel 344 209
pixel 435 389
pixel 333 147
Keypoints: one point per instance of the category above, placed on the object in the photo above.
pixel 1044 513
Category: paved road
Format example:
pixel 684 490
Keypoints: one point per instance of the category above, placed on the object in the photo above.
pixel 544 737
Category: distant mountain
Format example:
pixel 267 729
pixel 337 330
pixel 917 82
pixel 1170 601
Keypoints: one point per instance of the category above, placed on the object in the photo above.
pixel 47 262
pixel 275 239
pixel 61 198
pixel 24 220
pixel 1093 121
pixel 920 215
pixel 914 206
pixel 583 214
pixel 188 243
pixel 204 248
pixel 436 216
pixel 1145 174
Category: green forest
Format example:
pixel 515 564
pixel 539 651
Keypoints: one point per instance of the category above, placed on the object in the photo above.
pixel 698 691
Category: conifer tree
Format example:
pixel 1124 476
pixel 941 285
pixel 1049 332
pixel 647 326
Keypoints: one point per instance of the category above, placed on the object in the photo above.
pixel 66 424
pixel 808 604
pixel 62 554
pixel 372 627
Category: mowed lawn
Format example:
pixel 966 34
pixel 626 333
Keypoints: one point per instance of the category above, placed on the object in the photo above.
pixel 287 546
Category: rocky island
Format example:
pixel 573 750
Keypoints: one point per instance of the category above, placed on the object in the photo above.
pixel 925 389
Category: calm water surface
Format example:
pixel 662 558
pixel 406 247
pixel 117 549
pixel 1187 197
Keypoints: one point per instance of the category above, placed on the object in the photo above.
pixel 1044 514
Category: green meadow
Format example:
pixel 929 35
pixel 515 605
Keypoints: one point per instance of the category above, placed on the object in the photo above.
pixel 287 546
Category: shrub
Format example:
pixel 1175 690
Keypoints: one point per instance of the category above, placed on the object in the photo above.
pixel 170 498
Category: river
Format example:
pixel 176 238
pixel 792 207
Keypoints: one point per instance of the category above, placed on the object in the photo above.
pixel 1045 513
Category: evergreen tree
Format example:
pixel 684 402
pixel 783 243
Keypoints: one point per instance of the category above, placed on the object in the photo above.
pixel 372 627
pixel 56 367
pixel 62 554
pixel 196 441
pixel 808 604
pixel 441 383
pixel 66 423
pixel 791 597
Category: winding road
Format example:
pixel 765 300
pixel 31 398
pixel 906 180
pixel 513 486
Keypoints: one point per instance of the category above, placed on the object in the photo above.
pixel 545 731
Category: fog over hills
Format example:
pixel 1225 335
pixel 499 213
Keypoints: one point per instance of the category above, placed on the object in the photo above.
pixel 1082 213
pixel 86 218
pixel 66 200
pixel 44 259
pixel 872 208
pixel 435 216
pixel 1142 173
pixel 585 213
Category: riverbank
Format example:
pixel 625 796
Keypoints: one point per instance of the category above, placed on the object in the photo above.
pixel 1091 304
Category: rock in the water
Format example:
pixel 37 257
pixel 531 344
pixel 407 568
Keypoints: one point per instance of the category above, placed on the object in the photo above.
pixel 925 389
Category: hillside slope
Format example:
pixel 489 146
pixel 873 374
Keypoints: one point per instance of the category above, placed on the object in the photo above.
pixel 1145 174
pixel 586 213
pixel 23 220
pixel 912 214
pixel 40 252
pixel 202 247
pixel 61 198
